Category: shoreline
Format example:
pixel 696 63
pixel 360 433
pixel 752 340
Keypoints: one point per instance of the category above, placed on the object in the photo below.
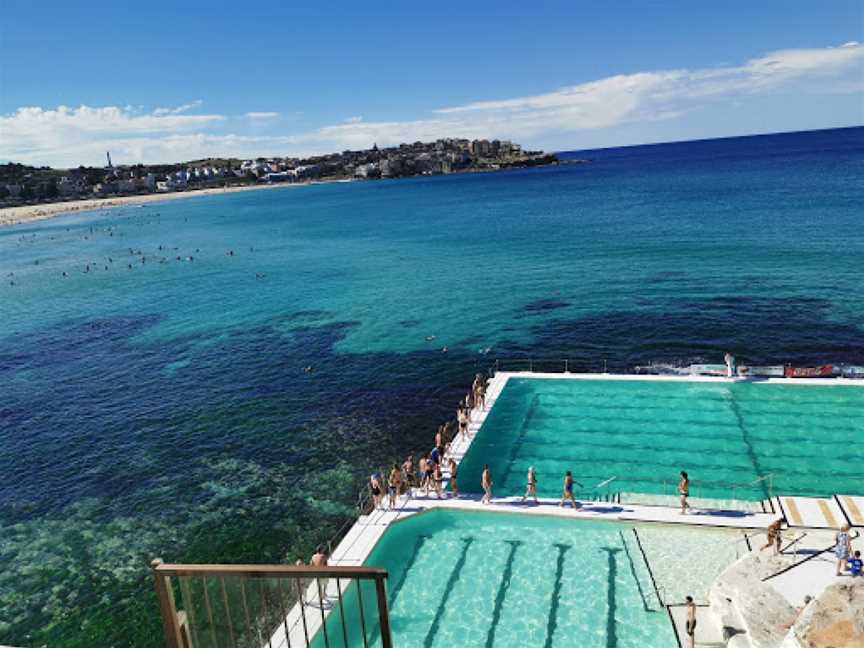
pixel 24 214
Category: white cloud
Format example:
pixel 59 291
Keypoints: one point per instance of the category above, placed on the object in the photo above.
pixel 68 136
pixel 261 116
pixel 179 109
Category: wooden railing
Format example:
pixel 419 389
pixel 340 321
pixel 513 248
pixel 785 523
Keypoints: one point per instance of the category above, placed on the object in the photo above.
pixel 273 606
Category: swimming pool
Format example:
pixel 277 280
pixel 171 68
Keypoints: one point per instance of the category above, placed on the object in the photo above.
pixel 643 431
pixel 495 579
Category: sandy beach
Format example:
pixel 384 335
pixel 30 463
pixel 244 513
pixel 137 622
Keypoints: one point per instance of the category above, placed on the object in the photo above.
pixel 28 213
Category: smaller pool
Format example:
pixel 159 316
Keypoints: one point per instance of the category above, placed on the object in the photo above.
pixel 492 579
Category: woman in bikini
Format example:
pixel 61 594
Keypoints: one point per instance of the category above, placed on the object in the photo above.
pixel 454 486
pixel 394 484
pixel 531 490
pixel 568 490
pixel 486 483
pixel 684 492
pixel 774 536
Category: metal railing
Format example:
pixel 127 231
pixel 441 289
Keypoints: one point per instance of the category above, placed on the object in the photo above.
pixel 273 606
pixel 769 478
pixel 549 365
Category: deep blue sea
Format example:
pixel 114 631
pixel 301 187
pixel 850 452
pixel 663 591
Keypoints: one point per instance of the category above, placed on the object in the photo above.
pixel 155 405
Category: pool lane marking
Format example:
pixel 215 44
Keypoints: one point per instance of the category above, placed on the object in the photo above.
pixel 648 566
pixel 520 440
pixel 455 573
pixel 633 572
pixel 854 513
pixel 611 599
pixel 827 514
pixel 552 623
pixel 417 545
pixel 503 586
pixel 792 507
pixel 745 437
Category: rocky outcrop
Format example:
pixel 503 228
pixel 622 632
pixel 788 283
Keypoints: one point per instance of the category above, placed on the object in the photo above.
pixel 835 619
pixel 751 612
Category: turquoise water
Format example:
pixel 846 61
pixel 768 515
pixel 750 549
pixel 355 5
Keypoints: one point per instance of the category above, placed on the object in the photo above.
pixel 485 579
pixel 643 432
pixel 491 579
pixel 165 410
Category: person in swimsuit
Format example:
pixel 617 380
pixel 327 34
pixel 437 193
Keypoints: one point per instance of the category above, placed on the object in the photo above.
pixel 691 621
pixel 842 549
pixel 684 492
pixel 568 490
pixel 774 536
pixel 430 472
pixel 410 474
pixel 454 486
pixel 437 480
pixel 531 490
pixel 319 559
pixel 375 488
pixel 486 483
pixel 394 484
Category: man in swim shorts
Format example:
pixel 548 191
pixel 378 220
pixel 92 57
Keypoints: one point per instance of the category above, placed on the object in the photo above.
pixel 690 627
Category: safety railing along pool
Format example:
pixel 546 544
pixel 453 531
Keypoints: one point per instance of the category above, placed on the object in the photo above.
pixel 272 606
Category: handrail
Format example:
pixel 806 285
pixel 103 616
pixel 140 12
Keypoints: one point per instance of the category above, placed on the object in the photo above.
pixel 266 604
pixel 267 571
pixel 605 482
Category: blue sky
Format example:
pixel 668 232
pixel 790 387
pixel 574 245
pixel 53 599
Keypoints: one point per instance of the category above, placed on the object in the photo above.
pixel 170 81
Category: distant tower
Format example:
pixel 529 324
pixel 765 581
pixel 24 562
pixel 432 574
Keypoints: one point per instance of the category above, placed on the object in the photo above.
pixel 108 153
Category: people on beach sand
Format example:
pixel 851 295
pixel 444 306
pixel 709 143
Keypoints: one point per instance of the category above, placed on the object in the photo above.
pixel 568 491
pixel 690 626
pixel 842 548
pixel 531 488
pixel 375 489
pixel 774 536
pixel 394 484
pixel 684 492
pixel 454 484
pixel 486 483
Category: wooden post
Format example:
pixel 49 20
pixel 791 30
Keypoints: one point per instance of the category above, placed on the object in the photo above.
pixel 170 621
pixel 383 613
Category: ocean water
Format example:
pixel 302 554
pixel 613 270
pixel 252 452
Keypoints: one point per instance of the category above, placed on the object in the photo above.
pixel 165 409
pixel 492 579
pixel 744 441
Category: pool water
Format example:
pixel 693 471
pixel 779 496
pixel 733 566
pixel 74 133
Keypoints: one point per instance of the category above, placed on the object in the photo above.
pixel 491 579
pixel 643 432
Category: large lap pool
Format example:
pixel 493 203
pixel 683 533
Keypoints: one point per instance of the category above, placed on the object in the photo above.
pixel 642 432
pixel 492 579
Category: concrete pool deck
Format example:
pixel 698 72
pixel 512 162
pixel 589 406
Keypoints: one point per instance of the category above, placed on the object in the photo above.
pixel 364 535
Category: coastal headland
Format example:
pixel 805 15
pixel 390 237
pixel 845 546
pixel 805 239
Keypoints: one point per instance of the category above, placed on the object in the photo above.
pixel 35 193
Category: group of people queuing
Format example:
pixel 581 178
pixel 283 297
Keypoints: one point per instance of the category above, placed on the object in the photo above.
pixel 428 473
pixel 474 399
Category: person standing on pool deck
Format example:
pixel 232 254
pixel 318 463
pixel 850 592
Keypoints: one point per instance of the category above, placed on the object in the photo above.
pixel 691 621
pixel 320 560
pixel 486 483
pixel 568 490
pixel 531 490
pixel 684 492
pixel 394 484
pixel 774 536
pixel 454 485
pixel 842 549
